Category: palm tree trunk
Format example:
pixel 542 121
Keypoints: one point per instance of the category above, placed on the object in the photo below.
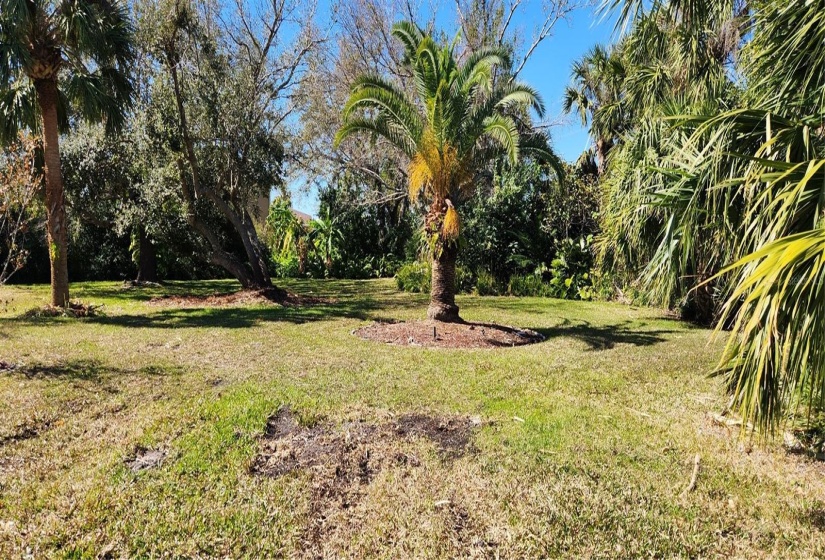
pixel 603 147
pixel 442 291
pixel 47 97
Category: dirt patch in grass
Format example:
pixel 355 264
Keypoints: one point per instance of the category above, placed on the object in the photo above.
pixel 7 366
pixel 344 460
pixel 144 458
pixel 243 297
pixel 74 309
pixel 434 334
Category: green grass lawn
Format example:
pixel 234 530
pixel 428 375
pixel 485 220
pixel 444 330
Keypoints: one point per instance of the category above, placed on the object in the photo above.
pixel 587 443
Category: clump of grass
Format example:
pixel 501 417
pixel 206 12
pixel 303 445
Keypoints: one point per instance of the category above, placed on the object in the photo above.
pixel 75 309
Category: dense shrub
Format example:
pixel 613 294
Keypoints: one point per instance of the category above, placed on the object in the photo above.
pixel 414 277
pixel 528 285
pixel 486 284
pixel 571 270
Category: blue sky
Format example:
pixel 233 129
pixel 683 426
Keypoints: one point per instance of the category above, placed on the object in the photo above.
pixel 548 70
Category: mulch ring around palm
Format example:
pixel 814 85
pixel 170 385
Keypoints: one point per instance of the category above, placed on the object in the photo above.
pixel 265 296
pixel 434 334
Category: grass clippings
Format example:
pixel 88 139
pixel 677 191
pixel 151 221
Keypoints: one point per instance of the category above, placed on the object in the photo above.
pixel 144 458
pixel 435 334
pixel 266 296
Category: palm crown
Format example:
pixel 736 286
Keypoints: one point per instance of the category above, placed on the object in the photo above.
pixel 83 45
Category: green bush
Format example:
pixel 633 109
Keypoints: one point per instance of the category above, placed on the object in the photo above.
pixel 464 280
pixel 528 285
pixel 414 277
pixel 486 284
pixel 571 270
pixel 286 266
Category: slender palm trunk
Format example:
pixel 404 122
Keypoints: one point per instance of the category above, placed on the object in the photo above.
pixel 442 291
pixel 47 98
pixel 603 147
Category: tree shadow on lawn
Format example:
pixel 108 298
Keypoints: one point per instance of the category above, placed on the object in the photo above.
pixel 86 370
pixel 605 337
pixel 233 317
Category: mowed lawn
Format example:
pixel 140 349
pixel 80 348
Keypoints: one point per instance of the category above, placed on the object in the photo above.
pixel 585 446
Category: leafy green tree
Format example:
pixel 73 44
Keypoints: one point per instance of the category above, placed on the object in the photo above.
pixel 55 57
pixel 461 121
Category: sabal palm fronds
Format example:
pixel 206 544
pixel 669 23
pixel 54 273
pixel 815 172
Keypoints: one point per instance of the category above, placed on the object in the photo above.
pixel 463 118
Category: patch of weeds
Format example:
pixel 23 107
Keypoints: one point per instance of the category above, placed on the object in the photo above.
pixel 75 309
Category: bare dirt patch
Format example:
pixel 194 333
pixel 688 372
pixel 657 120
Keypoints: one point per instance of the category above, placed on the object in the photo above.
pixel 343 460
pixel 7 366
pixel 434 334
pixel 144 458
pixel 243 297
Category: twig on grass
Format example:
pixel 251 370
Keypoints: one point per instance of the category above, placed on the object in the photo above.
pixel 694 477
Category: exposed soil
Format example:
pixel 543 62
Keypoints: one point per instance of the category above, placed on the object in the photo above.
pixel 74 309
pixel 343 460
pixel 7 366
pixel 242 297
pixel 146 459
pixel 434 334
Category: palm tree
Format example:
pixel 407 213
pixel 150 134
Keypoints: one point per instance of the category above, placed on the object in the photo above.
pixel 759 164
pixel 325 234
pixel 463 119
pixel 56 56
pixel 597 95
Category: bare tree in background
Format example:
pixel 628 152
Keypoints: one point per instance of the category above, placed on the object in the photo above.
pixel 21 184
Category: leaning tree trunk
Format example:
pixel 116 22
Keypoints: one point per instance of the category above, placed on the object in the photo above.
pixel 442 291
pixel 47 98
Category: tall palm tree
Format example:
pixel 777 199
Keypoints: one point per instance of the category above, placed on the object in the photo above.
pixel 55 56
pixel 596 95
pixel 463 119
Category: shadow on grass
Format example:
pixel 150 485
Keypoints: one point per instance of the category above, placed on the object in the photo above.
pixel 230 316
pixel 605 337
pixel 87 370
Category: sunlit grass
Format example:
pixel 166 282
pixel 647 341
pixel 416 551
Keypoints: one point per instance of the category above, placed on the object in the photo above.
pixel 614 406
